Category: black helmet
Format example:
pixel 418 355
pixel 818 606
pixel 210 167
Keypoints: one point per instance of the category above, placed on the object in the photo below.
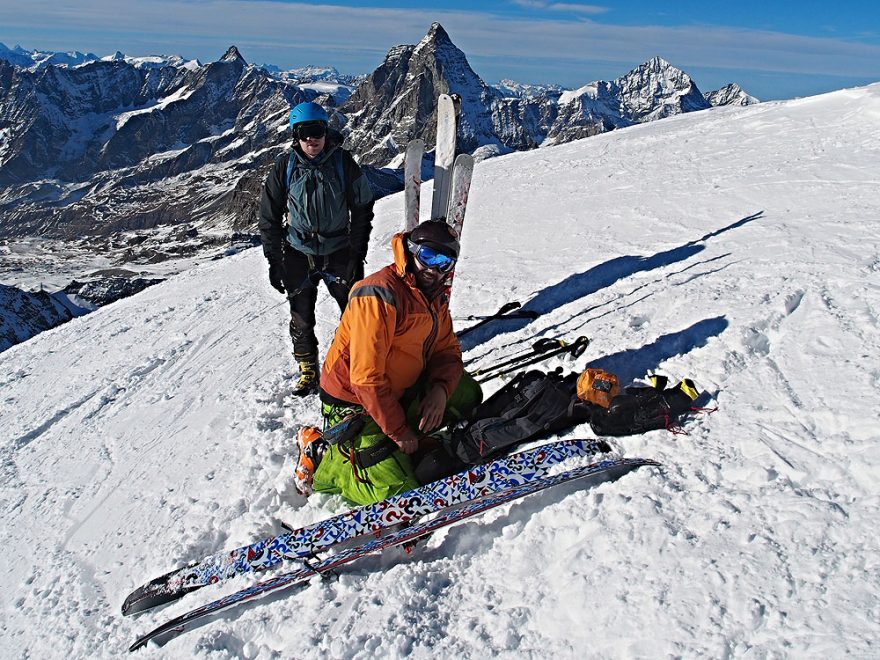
pixel 437 234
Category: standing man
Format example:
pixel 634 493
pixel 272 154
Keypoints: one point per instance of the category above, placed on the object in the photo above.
pixel 395 364
pixel 329 207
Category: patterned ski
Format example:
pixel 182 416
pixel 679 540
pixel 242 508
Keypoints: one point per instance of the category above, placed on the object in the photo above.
pixel 602 471
pixel 478 481
pixel 459 189
pixel 412 182
pixel 444 155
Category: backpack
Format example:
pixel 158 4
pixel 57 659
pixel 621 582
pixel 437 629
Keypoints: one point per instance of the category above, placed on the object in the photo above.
pixel 533 405
pixel 597 386
pixel 319 200
pixel 642 409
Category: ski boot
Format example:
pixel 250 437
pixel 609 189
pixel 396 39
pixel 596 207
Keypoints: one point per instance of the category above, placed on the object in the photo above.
pixel 311 449
pixel 308 375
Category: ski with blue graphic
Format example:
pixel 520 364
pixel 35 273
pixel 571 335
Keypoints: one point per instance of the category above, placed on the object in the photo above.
pixel 597 472
pixel 497 475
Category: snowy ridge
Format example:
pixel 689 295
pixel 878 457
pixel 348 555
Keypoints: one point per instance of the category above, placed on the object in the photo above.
pixel 33 60
pixel 736 246
pixel 511 88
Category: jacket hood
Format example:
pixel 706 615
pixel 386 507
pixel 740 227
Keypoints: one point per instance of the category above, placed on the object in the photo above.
pixel 398 248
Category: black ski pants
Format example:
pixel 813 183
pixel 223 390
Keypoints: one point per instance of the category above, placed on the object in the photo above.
pixel 302 274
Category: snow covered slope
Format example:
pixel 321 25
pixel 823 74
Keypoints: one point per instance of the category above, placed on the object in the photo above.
pixel 737 246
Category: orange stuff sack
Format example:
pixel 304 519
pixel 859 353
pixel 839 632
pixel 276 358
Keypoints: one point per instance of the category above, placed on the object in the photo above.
pixel 597 386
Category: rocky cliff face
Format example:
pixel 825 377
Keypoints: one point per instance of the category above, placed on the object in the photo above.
pixel 23 314
pixel 109 146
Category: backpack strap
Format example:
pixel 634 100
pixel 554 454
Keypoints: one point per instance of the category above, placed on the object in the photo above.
pixel 291 163
pixel 338 165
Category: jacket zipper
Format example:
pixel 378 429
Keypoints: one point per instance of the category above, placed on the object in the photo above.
pixel 432 336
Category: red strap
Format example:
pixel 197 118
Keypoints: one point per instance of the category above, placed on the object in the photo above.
pixel 354 470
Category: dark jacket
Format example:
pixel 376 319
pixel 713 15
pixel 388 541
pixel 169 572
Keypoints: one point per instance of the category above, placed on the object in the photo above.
pixel 322 217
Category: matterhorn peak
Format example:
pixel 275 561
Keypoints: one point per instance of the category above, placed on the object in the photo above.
pixel 437 33
pixel 232 55
pixel 437 41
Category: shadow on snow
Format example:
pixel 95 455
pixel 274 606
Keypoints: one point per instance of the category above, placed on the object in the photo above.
pixel 580 285
pixel 638 362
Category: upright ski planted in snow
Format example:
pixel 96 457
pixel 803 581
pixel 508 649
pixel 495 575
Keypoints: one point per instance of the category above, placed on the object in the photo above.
pixel 603 471
pixel 444 155
pixel 412 182
pixel 459 188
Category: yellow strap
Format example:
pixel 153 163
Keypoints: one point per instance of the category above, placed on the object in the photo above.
pixel 687 386
pixel 658 381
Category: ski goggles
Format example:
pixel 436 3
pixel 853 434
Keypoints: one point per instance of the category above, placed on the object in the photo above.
pixel 315 131
pixel 431 258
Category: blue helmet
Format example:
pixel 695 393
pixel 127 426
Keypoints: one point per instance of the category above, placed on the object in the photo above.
pixel 308 112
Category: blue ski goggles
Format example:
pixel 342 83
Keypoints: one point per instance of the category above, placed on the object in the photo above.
pixel 431 258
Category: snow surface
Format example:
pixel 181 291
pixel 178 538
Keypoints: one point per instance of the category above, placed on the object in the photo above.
pixel 737 246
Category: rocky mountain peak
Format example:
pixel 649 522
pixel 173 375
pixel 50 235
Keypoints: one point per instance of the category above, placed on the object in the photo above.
pixel 657 89
pixel 437 34
pixel 730 94
pixel 437 46
pixel 657 73
pixel 398 101
pixel 232 55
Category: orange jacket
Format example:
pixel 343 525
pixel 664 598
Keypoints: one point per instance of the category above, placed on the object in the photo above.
pixel 389 335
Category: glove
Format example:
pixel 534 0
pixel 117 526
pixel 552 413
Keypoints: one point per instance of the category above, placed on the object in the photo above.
pixel 354 271
pixel 276 276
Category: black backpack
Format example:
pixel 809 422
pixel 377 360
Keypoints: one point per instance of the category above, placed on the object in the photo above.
pixel 531 406
pixel 642 409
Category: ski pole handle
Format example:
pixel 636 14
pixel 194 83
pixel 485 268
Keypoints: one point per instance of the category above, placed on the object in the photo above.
pixel 507 307
pixel 547 344
pixel 579 346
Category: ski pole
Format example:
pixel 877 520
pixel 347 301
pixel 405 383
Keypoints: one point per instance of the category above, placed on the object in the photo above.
pixel 576 349
pixel 502 313
pixel 504 309
pixel 540 346
pixel 517 314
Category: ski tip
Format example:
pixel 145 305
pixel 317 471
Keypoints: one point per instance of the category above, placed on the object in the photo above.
pixel 153 594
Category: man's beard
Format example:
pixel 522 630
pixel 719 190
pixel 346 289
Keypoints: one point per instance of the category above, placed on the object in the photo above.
pixel 430 281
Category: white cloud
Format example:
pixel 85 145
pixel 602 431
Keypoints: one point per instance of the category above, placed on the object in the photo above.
pixel 561 6
pixel 328 33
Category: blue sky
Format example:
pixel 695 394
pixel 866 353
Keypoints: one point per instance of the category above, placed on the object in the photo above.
pixel 775 50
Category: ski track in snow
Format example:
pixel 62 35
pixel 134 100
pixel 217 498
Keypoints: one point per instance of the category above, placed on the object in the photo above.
pixel 735 246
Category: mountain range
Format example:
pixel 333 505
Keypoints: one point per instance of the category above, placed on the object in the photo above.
pixel 110 153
